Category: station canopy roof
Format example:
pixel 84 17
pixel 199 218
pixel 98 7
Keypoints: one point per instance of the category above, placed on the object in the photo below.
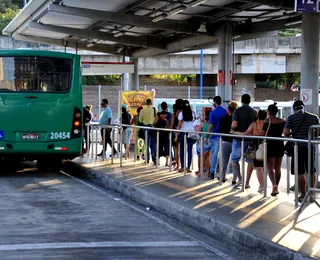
pixel 142 28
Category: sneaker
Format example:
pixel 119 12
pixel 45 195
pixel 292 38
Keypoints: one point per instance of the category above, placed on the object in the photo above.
pixel 234 182
pixel 143 157
pixel 211 175
pixel 138 158
pixel 181 170
pixel 100 154
pixel 292 188
pixel 237 185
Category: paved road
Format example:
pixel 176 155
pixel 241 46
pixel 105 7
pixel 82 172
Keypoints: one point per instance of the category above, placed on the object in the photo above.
pixel 54 216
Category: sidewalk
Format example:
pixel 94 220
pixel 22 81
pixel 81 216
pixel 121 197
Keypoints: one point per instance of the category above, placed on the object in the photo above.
pixel 272 226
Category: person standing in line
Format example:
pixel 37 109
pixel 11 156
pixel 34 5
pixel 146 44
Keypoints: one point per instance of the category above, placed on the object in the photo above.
pixel 273 127
pixel 297 126
pixel 256 129
pixel 214 122
pixel 105 119
pixel 206 147
pixel 185 123
pixel 135 121
pixel 87 119
pixel 225 128
pixel 126 131
pixel 146 118
pixel 163 120
pixel 242 118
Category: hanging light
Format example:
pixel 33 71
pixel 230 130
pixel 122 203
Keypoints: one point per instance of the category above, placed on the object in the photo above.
pixel 159 17
pixel 91 44
pixel 116 35
pixel 177 10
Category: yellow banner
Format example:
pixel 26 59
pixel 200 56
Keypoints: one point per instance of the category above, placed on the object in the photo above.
pixel 134 99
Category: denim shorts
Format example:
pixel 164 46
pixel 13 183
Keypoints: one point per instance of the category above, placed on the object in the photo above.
pixel 206 147
pixel 236 151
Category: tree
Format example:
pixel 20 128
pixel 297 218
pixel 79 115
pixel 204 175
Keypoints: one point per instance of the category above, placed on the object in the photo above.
pixel 8 11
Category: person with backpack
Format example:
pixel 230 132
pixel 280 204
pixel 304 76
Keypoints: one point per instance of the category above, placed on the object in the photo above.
pixel 163 120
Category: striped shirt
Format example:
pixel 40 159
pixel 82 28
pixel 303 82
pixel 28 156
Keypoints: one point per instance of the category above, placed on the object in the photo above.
pixel 299 125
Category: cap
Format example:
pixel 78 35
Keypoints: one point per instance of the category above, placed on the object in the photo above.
pixel 124 106
pixel 298 104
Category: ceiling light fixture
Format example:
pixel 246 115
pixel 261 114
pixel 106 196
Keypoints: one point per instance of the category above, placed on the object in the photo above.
pixel 100 41
pixel 119 50
pixel 159 17
pixel 197 2
pixel 177 10
pixel 293 23
pixel 118 34
pixel 91 44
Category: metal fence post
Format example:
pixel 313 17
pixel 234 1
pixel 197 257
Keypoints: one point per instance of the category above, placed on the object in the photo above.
pixel 135 145
pixel 92 140
pixel 288 174
pixel 157 152
pixel 104 144
pixel 242 164
pixel 112 148
pixel 120 142
pixel 170 151
pixel 220 160
pixel 147 147
pixel 97 138
pixel 201 156
pixel 265 168
pixel 185 153
pixel 296 185
pixel 127 142
pixel 88 139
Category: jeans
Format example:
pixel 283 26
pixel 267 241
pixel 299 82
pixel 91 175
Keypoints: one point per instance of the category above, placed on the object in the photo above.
pixel 226 152
pixel 236 156
pixel 190 143
pixel 152 145
pixel 215 150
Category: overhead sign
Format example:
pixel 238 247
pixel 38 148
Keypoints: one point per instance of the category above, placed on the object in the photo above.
pixel 106 68
pixel 306 6
pixel 306 96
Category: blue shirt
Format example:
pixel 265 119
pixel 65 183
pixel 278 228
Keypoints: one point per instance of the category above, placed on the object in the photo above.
pixel 215 118
pixel 105 115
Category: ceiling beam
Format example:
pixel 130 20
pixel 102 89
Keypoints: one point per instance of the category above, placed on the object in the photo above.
pixel 125 39
pixel 177 45
pixel 287 4
pixel 134 20
pixel 72 44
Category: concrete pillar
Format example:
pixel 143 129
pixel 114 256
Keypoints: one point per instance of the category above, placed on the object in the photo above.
pixel 135 83
pixel 126 85
pixel 228 63
pixel 221 62
pixel 310 61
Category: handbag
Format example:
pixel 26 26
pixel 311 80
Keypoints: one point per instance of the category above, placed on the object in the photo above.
pixel 250 154
pixel 288 148
pixel 260 151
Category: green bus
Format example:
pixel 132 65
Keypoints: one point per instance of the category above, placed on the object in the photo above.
pixel 40 107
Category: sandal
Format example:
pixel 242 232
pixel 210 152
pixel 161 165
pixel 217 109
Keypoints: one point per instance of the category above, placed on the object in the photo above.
pixel 247 186
pixel 275 191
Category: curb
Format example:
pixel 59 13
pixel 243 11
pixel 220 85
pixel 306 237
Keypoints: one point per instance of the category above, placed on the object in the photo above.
pixel 191 218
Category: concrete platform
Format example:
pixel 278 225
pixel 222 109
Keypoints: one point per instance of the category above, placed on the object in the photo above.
pixel 272 226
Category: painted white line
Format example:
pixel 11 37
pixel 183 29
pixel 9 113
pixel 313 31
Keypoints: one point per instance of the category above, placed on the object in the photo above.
pixel 121 244
pixel 159 221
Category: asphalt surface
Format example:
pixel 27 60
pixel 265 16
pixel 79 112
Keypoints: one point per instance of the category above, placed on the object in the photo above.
pixel 56 216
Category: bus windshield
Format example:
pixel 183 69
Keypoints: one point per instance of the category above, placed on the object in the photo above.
pixel 35 74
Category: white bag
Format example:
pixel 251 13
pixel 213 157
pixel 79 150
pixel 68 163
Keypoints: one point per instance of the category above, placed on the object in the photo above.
pixel 195 127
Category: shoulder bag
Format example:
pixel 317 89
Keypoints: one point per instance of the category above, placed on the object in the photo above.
pixel 260 151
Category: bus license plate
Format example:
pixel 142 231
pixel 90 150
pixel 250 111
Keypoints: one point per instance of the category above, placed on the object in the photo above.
pixel 30 136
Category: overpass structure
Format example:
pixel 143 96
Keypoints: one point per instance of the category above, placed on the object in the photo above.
pixel 137 29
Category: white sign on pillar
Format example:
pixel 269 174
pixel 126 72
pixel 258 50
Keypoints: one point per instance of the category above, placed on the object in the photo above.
pixel 306 96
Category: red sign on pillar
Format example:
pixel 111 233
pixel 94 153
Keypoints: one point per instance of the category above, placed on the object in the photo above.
pixel 231 79
pixel 220 78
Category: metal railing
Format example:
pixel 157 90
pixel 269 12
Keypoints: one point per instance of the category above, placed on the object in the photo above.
pixel 243 138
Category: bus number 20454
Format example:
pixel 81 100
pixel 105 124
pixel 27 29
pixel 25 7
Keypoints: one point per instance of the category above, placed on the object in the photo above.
pixel 60 135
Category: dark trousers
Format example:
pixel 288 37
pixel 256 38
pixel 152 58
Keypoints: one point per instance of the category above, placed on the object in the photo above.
pixel 107 140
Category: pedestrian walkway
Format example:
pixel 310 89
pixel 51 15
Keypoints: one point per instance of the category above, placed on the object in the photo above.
pixel 244 218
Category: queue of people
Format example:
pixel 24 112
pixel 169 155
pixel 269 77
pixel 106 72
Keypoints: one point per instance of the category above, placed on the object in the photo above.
pixel 243 120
